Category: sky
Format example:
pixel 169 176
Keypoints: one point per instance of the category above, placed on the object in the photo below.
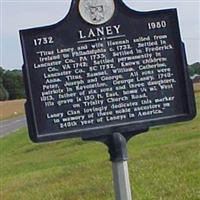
pixel 18 14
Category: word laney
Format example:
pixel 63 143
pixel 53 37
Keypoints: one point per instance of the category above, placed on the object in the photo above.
pixel 99 31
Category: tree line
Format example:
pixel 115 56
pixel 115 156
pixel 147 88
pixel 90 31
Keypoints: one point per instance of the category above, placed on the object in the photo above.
pixel 194 69
pixel 12 86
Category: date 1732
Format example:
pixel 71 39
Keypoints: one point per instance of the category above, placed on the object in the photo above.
pixel 43 41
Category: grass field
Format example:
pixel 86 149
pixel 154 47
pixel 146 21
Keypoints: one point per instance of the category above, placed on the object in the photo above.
pixel 10 109
pixel 164 164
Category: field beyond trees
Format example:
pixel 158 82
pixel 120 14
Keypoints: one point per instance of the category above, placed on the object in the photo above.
pixel 163 164
pixel 197 87
pixel 11 109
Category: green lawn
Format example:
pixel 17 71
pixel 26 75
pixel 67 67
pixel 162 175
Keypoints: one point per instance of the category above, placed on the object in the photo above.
pixel 164 164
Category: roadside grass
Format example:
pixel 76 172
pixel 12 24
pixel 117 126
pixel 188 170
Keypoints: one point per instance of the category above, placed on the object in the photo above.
pixel 164 164
pixel 11 109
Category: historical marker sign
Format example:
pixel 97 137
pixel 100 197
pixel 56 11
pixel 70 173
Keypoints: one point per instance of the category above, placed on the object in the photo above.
pixel 105 66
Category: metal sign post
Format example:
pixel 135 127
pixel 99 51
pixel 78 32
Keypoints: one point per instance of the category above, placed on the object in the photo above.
pixel 121 181
pixel 119 158
pixel 116 144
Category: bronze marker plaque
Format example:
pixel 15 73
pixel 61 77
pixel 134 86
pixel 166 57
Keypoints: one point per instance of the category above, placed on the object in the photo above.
pixel 104 67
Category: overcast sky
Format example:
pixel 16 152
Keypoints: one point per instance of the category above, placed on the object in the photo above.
pixel 16 15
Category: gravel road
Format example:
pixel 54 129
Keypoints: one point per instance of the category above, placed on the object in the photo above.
pixel 11 125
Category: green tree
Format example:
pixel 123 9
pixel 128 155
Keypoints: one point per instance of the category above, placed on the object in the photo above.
pixel 1 72
pixel 194 69
pixel 13 83
pixel 3 92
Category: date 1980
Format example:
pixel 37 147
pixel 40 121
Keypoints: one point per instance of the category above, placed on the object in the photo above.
pixel 157 25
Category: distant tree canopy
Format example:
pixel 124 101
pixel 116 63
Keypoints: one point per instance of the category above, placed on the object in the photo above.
pixel 11 84
pixel 194 69
pixel 3 92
